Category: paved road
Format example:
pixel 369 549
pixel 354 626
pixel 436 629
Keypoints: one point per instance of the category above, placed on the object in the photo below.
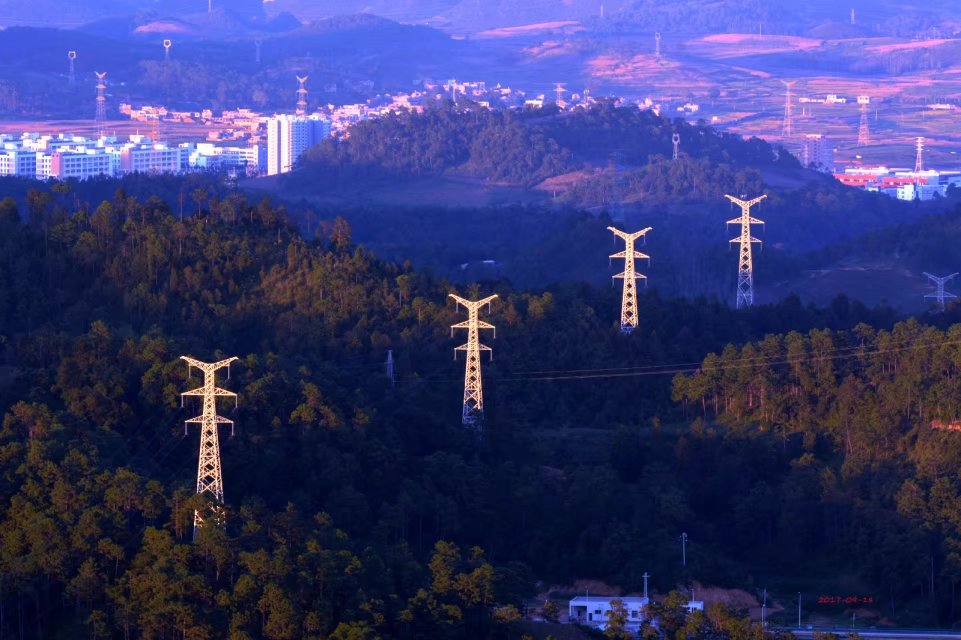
pixel 883 634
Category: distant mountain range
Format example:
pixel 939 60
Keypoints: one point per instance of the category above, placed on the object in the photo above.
pixel 895 17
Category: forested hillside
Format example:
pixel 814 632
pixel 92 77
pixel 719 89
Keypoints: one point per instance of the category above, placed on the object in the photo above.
pixel 346 497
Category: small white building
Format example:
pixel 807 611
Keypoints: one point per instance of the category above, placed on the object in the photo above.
pixel 593 610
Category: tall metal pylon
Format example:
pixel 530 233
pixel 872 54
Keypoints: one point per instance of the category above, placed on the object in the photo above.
pixel 864 134
pixel 676 139
pixel 389 366
pixel 940 294
pixel 258 43
pixel 630 276
pixel 71 56
pixel 473 412
pixel 919 158
pixel 559 91
pixel 745 266
pixel 302 96
pixel 657 46
pixel 101 103
pixel 210 482
pixel 787 130
pixel 168 43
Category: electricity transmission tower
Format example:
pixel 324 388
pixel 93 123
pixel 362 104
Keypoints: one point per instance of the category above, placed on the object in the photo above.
pixel 676 139
pixel 657 46
pixel 473 412
pixel 559 91
pixel 745 267
pixel 919 158
pixel 787 130
pixel 390 367
pixel 71 56
pixel 167 45
pixel 630 276
pixel 940 294
pixel 864 134
pixel 302 96
pixel 101 103
pixel 210 482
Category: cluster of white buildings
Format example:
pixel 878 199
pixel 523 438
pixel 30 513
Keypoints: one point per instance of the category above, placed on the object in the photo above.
pixel 69 156
pixel 901 183
pixel 64 156
pixel 593 611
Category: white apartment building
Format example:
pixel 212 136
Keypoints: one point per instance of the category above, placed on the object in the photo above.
pixel 289 136
pixel 80 164
pixel 153 158
pixel 17 162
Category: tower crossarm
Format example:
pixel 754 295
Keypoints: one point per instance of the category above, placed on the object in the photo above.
pixel 628 237
pixel 480 324
pixel 745 204
pixel 472 304
pixel 624 274
pixel 637 254
pixel 741 239
pixel 216 419
pixel 203 366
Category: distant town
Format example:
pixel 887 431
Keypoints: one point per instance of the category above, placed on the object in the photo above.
pixel 246 143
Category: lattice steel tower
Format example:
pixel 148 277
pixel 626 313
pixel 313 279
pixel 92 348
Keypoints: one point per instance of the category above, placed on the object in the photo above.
pixel 745 267
pixel 302 96
pixel 167 46
pixel 210 482
pixel 676 139
pixel 71 56
pixel 940 294
pixel 630 276
pixel 787 130
pixel 919 158
pixel 101 103
pixel 473 412
pixel 657 46
pixel 864 134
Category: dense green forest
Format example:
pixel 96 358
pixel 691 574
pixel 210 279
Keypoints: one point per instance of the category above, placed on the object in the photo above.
pixel 358 509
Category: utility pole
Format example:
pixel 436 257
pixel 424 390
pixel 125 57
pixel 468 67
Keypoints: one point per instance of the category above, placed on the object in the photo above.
pixel 473 411
pixel 210 482
pixel 630 276
pixel 645 576
pixel 745 268
pixel 684 549
pixel 940 294
pixel 390 366
pixel 786 130
pixel 676 139
pixel 101 103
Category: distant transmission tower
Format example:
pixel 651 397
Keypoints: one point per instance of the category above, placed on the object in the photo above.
pixel 940 294
pixel 390 366
pixel 787 130
pixel 630 276
pixel 559 92
pixel 101 103
pixel 258 43
pixel 210 481
pixel 71 56
pixel 852 17
pixel 657 46
pixel 676 139
pixel 452 83
pixel 302 96
pixel 156 128
pixel 864 135
pixel 167 45
pixel 919 158
pixel 473 412
pixel 210 6
pixel 745 266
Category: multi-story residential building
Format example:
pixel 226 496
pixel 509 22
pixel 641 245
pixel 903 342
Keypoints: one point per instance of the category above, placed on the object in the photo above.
pixel 289 136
